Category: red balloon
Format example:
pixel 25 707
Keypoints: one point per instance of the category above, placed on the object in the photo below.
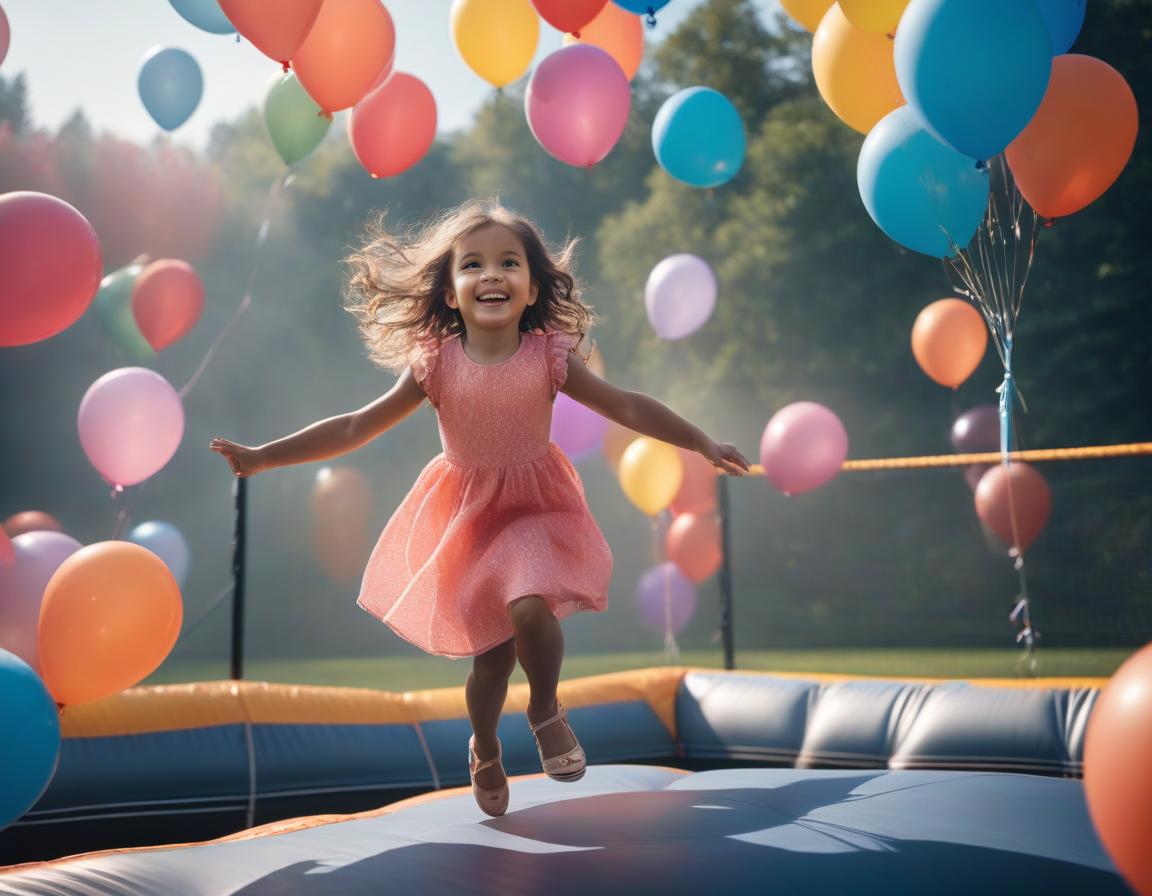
pixel 352 42
pixel 693 544
pixel 698 487
pixel 31 521
pixel 167 299
pixel 1014 491
pixel 275 29
pixel 393 127
pixel 50 266
pixel 568 15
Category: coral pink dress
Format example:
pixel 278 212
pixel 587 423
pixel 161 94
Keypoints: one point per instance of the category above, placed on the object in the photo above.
pixel 500 514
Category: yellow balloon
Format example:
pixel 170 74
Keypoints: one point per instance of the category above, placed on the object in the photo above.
pixel 650 474
pixel 807 12
pixel 874 16
pixel 496 38
pixel 855 71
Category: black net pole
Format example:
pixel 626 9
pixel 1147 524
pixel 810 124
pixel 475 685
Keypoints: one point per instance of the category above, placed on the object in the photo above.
pixel 239 545
pixel 726 633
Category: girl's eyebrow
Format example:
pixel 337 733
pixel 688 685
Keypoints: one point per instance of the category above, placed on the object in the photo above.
pixel 467 255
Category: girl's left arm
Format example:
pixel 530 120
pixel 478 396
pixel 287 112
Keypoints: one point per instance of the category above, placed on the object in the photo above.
pixel 647 416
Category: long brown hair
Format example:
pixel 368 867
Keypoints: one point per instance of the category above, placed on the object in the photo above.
pixel 397 282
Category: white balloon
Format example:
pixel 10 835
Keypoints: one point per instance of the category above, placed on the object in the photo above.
pixel 680 295
pixel 166 542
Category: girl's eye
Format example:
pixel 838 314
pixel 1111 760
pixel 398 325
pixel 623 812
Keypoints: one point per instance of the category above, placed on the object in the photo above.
pixel 512 261
pixel 470 264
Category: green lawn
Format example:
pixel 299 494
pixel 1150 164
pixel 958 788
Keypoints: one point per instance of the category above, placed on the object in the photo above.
pixel 410 673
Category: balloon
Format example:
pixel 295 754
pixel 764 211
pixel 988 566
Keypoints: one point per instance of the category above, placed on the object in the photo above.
pixel 7 552
pixel 665 598
pixel 807 13
pixel 5 41
pixel 977 430
pixel 698 137
pixel 113 304
pixel 697 492
pixel 568 15
pixel 577 104
pixel 616 442
pixel 342 506
pixel 873 16
pixel 276 30
pixel 1117 774
pixel 1063 19
pixel 679 295
pixel 166 542
pixel 30 748
pixel 1014 491
pixel 618 33
pixel 205 15
pixel 111 614
pixel 974 71
pixel 854 71
pixel 131 421
pixel 1079 140
pixel 37 556
pixel 576 429
pixel 50 266
pixel 294 122
pixel 803 446
pixel 693 544
pixel 350 44
pixel 170 85
pixel 394 126
pixel 650 474
pixel 167 299
pixel 949 338
pixel 495 38
pixel 923 194
pixel 31 521
pixel 641 7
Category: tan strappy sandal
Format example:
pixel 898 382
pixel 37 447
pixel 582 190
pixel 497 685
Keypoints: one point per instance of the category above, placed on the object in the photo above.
pixel 491 802
pixel 567 766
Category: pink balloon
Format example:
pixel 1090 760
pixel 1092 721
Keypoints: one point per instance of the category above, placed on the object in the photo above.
pixel 804 445
pixel 22 584
pixel 393 127
pixel 131 421
pixel 576 429
pixel 167 299
pixel 577 104
pixel 5 35
pixel 50 266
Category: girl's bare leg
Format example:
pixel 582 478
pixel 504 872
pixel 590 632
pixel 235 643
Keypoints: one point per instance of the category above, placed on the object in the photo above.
pixel 540 648
pixel 485 690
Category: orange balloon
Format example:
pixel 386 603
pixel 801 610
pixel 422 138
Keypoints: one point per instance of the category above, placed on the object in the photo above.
pixel 693 544
pixel 344 53
pixel 1117 773
pixel 1014 501
pixel 275 29
pixel 949 338
pixel 855 71
pixel 342 507
pixel 618 33
pixel 698 488
pixel 167 300
pixel 1078 141
pixel 616 441
pixel 807 13
pixel 393 127
pixel 110 615
pixel 31 521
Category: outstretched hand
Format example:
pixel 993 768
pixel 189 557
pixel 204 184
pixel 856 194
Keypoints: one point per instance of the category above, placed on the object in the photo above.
pixel 243 460
pixel 725 458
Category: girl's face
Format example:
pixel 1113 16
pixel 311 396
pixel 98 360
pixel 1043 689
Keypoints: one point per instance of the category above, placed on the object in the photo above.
pixel 490 281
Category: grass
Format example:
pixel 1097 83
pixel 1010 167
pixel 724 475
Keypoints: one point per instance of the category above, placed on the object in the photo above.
pixel 414 672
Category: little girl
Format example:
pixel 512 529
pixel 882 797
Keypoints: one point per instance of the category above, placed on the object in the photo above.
pixel 494 544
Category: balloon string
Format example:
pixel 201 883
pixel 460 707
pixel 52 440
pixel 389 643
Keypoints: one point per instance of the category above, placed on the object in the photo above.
pixel 671 648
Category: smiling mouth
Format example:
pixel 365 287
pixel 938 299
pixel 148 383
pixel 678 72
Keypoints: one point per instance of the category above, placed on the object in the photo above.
pixel 493 298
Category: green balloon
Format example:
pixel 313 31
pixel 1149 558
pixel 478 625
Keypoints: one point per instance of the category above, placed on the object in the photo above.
pixel 294 121
pixel 113 304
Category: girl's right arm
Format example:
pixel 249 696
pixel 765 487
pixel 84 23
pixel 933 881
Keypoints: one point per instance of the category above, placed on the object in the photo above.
pixel 327 438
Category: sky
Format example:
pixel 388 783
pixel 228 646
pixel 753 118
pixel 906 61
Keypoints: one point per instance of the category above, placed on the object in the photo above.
pixel 85 54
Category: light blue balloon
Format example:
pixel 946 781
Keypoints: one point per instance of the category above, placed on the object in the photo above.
pixel 641 7
pixel 698 137
pixel 1064 18
pixel 170 86
pixel 917 190
pixel 30 742
pixel 974 71
pixel 166 542
pixel 205 15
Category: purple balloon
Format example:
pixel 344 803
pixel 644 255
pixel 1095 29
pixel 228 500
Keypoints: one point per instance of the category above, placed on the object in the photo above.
pixel 22 582
pixel 803 446
pixel 576 429
pixel 577 104
pixel 666 598
pixel 977 430
pixel 680 295
pixel 131 421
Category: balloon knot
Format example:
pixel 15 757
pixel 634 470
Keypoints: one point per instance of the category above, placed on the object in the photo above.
pixel 284 62
pixel 651 17
pixel 60 709
pixel 981 165
pixel 576 34
pixel 1049 223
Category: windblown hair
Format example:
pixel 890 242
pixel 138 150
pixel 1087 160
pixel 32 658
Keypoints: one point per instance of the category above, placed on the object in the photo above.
pixel 397 282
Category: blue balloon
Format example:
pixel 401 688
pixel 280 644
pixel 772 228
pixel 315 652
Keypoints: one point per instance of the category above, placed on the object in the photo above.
pixel 917 190
pixel 205 15
pixel 974 71
pixel 166 542
pixel 170 86
pixel 1064 19
pixel 641 7
pixel 698 137
pixel 30 744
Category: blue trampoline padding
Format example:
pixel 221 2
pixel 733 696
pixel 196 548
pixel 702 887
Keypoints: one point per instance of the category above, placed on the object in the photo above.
pixel 641 830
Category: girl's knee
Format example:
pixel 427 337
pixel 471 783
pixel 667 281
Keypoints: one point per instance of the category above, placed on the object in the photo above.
pixel 529 611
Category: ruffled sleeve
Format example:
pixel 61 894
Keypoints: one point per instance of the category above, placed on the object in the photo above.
pixel 424 359
pixel 558 346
